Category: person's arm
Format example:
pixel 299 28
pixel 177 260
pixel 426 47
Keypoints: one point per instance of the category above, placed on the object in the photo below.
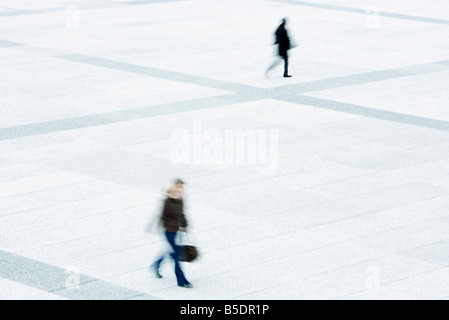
pixel 287 40
pixel 182 219
pixel 164 215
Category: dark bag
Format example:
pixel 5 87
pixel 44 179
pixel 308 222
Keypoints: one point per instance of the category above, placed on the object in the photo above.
pixel 189 253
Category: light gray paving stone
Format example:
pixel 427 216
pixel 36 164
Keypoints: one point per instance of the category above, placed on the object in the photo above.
pixel 435 253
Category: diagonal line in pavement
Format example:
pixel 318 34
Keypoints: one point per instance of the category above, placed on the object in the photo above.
pixel 84 6
pixel 113 117
pixel 238 93
pixel 155 72
pixel 368 112
pixel 319 85
pixel 9 44
pixel 66 283
pixel 363 11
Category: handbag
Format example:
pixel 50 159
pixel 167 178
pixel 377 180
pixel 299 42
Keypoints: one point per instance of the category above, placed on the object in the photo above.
pixel 189 253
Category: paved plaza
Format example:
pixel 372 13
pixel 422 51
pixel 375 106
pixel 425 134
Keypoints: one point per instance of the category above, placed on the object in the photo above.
pixel 333 184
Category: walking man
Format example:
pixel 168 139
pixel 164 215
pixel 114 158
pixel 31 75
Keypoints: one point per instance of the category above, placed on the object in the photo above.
pixel 283 42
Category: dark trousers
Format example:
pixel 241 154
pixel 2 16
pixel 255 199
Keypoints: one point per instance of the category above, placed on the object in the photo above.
pixel 285 64
pixel 180 277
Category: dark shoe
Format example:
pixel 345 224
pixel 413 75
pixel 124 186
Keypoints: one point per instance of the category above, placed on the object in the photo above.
pixel 156 272
pixel 187 285
pixel 287 76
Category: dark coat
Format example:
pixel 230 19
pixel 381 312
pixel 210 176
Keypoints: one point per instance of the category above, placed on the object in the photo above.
pixel 282 40
pixel 173 217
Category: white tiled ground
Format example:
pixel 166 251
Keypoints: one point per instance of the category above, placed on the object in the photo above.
pixel 351 202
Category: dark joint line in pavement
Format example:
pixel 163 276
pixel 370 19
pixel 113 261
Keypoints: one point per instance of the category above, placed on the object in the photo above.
pixel 88 121
pixel 368 112
pixel 319 85
pixel 237 93
pixel 85 6
pixel 10 44
pixel 154 72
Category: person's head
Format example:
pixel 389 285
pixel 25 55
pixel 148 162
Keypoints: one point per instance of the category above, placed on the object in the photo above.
pixel 176 191
pixel 284 21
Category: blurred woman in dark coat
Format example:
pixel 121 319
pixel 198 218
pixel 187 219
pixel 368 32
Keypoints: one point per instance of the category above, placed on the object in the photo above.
pixel 173 220
pixel 283 42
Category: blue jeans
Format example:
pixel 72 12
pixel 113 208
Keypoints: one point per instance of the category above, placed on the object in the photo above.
pixel 171 236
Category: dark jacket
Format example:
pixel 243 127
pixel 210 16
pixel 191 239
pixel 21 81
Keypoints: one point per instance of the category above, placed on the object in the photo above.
pixel 282 40
pixel 173 217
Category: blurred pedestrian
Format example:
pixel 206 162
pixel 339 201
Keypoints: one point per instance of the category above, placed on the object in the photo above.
pixel 284 45
pixel 173 220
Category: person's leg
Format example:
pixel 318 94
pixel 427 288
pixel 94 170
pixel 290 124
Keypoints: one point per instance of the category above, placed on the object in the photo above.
pixel 175 255
pixel 156 265
pixel 286 66
pixel 274 64
pixel 158 262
